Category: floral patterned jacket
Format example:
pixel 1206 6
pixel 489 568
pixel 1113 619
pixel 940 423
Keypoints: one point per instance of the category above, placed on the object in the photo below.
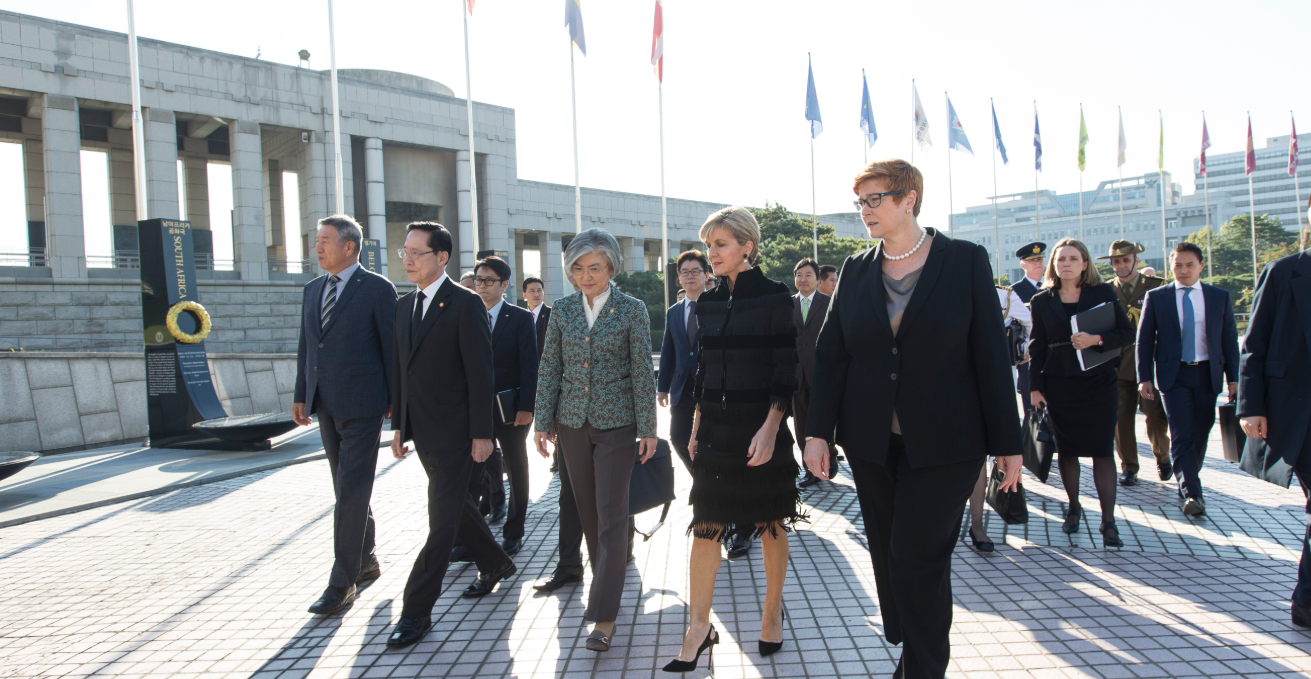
pixel 601 375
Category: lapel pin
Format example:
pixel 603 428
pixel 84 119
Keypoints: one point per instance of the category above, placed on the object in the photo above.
pixel 441 304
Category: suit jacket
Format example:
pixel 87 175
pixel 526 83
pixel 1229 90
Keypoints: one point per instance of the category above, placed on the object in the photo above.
pixel 1131 298
pixel 946 372
pixel 443 394
pixel 1275 375
pixel 348 363
pixel 808 333
pixel 678 358
pixel 543 319
pixel 1051 325
pixel 1160 328
pixel 1025 290
pixel 514 355
pixel 601 375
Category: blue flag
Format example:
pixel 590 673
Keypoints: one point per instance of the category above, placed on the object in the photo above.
pixel 867 115
pixel 812 104
pixel 955 131
pixel 996 132
pixel 1037 143
pixel 573 18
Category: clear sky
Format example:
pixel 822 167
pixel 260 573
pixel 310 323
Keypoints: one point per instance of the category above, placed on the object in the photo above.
pixel 735 79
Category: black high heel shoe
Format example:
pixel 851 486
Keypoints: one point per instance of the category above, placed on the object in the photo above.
pixel 768 648
pixel 1111 534
pixel 1071 524
pixel 984 546
pixel 685 666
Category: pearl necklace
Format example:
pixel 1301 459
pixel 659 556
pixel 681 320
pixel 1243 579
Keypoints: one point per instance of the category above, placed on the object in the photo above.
pixel 923 234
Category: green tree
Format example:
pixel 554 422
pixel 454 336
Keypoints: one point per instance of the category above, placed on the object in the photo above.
pixel 646 286
pixel 1231 253
pixel 786 238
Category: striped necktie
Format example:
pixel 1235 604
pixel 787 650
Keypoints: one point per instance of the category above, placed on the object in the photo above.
pixel 330 302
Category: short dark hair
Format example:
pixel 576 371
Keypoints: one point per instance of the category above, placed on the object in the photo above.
pixel 693 255
pixel 1185 246
pixel 806 262
pixel 439 239
pixel 533 279
pixel 348 230
pixel 495 264
pixel 826 271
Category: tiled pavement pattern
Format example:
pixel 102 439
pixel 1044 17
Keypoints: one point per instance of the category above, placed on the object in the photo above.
pixel 214 581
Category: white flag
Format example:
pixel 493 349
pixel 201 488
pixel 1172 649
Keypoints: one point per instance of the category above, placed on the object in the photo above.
pixel 921 120
pixel 1123 144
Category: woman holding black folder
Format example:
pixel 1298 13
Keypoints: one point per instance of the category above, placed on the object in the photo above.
pixel 1081 404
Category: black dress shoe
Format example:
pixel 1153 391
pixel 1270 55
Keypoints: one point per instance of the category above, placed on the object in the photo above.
pixel 511 547
pixel 982 545
pixel 460 555
pixel 808 480
pixel 371 571
pixel 498 515
pixel 1129 479
pixel 486 582
pixel 408 631
pixel 1301 616
pixel 334 599
pixel 562 576
pixel 1071 524
pixel 739 545
pixel 1165 469
pixel 1194 506
pixel 484 509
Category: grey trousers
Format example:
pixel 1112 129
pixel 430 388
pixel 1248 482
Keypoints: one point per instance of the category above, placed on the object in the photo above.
pixel 600 465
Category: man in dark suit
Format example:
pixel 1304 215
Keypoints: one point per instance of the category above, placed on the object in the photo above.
pixel 343 375
pixel 678 353
pixel 828 279
pixel 1031 261
pixel 1274 393
pixel 1188 342
pixel 808 308
pixel 534 295
pixel 443 397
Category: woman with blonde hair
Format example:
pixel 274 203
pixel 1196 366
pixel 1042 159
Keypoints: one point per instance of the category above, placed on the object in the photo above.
pixel 743 475
pixel 1081 404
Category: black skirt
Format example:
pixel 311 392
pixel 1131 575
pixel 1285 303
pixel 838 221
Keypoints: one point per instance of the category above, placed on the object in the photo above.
pixel 1082 410
pixel 729 498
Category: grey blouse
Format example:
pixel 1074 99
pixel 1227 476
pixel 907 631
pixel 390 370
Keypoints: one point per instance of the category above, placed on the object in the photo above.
pixel 899 292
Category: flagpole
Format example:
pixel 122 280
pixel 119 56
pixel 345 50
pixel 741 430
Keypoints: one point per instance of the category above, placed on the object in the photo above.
pixel 951 209
pixel 1037 205
pixel 468 106
pixel 138 125
pixel 912 118
pixel 338 183
pixel 1251 202
pixel 1119 167
pixel 1301 232
pixel 578 193
pixel 1081 142
pixel 1206 197
pixel 996 222
pixel 814 212
pixel 1165 248
pixel 664 214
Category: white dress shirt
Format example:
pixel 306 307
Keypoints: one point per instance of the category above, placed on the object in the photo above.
pixel 593 310
pixel 494 312
pixel 429 291
pixel 537 312
pixel 344 275
pixel 807 301
pixel 1199 315
pixel 1036 284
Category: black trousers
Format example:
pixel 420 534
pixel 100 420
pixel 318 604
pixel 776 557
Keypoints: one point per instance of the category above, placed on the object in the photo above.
pixel 681 417
pixel 513 442
pixel 451 511
pixel 913 520
pixel 1190 410
pixel 488 484
pixel 1022 385
pixel 1302 592
pixel 352 450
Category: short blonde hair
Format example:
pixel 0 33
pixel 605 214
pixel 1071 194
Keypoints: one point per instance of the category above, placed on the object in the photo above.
pixel 741 225
pixel 898 175
pixel 1090 275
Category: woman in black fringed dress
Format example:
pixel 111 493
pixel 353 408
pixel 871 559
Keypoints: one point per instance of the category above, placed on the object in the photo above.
pixel 743 470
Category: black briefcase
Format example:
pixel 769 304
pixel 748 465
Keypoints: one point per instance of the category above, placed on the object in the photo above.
pixel 652 484
pixel 1039 444
pixel 1011 506
pixel 1231 432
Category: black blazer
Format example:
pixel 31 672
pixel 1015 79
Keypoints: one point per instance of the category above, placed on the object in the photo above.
pixel 515 354
pixel 1160 337
pixel 946 372
pixel 678 358
pixel 1051 325
pixel 808 333
pixel 1275 375
pixel 543 318
pixel 348 363
pixel 442 394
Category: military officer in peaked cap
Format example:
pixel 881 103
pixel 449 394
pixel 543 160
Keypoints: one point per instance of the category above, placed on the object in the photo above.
pixel 1031 260
pixel 1132 285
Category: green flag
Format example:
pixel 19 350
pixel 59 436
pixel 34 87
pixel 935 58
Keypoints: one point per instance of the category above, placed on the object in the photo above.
pixel 1160 152
pixel 1083 138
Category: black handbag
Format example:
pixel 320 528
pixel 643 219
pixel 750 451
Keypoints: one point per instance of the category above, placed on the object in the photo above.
pixel 651 485
pixel 1039 444
pixel 1011 506
pixel 1231 432
pixel 1016 338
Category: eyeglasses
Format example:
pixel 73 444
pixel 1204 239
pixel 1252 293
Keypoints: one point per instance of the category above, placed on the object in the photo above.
pixel 873 200
pixel 486 282
pixel 687 273
pixel 408 254
pixel 595 270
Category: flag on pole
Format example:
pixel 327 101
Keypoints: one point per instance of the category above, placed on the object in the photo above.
pixel 1160 150
pixel 1037 143
pixel 867 114
pixel 471 6
pixel 921 120
pixel 1292 149
pixel 1124 144
pixel 1251 152
pixel 996 132
pixel 573 18
pixel 956 138
pixel 1206 144
pixel 1083 139
pixel 812 103
pixel 657 44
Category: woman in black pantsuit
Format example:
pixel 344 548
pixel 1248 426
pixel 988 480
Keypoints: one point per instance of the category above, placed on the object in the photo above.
pixel 1081 405
pixel 913 376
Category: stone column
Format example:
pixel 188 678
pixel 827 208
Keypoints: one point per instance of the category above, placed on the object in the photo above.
pixel 375 196
pixel 464 208
pixel 552 272
pixel 348 174
pixel 196 171
pixel 274 229
pixel 161 165
pixel 634 254
pixel 61 145
pixel 251 259
pixel 122 187
pixel 315 184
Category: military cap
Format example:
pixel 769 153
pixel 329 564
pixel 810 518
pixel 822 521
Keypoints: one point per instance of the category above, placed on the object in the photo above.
pixel 1032 251
pixel 1120 248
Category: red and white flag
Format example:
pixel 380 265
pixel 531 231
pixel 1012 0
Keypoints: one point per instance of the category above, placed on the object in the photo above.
pixel 1206 144
pixel 1251 151
pixel 657 43
pixel 1292 149
pixel 471 6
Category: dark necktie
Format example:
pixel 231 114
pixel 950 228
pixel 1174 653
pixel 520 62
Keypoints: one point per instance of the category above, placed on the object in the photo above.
pixel 330 302
pixel 1189 329
pixel 691 325
pixel 418 319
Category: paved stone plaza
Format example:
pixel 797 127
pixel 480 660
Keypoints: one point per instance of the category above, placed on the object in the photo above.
pixel 214 580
